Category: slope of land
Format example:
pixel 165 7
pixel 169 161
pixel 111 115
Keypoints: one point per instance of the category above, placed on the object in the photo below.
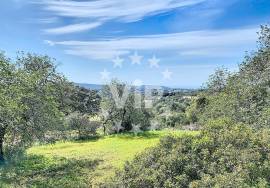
pixel 78 163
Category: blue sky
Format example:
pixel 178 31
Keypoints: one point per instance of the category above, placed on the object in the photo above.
pixel 176 43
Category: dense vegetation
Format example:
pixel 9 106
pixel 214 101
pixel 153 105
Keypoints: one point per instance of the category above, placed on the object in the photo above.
pixel 123 108
pixel 38 105
pixel 242 96
pixel 171 110
pixel 225 154
pixel 233 147
pixel 30 101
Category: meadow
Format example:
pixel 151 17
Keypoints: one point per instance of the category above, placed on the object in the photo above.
pixel 87 163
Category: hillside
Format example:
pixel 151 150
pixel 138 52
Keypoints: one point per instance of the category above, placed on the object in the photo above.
pixel 78 163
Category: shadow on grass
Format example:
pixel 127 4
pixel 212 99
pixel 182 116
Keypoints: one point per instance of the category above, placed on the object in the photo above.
pixel 38 171
pixel 124 135
pixel 141 135
pixel 88 139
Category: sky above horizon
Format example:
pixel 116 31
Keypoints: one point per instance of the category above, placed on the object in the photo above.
pixel 175 43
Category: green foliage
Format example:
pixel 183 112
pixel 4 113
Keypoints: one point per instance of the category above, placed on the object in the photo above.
pixel 242 96
pixel 218 81
pixel 30 102
pixel 197 105
pixel 229 152
pixel 174 120
pixel 172 110
pixel 126 113
pixel 82 124
pixel 85 101
pixel 225 154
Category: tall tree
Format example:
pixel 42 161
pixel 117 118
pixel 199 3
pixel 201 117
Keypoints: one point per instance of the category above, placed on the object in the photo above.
pixel 122 107
pixel 85 101
pixel 30 103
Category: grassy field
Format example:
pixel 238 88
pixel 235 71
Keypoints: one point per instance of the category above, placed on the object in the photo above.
pixel 78 163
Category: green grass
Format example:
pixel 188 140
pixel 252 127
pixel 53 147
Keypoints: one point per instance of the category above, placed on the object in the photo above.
pixel 78 163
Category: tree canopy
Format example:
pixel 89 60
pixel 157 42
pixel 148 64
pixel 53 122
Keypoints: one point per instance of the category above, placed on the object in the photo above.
pixel 31 100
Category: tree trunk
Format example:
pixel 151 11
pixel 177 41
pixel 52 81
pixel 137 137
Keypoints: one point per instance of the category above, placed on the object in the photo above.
pixel 1 152
pixel 104 130
pixel 123 123
pixel 2 133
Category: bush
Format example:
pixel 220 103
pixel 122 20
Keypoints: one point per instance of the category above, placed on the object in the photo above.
pixel 83 125
pixel 242 96
pixel 225 154
pixel 174 120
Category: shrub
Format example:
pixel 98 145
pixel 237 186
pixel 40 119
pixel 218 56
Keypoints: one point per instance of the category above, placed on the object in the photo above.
pixel 82 125
pixel 173 120
pixel 242 96
pixel 224 154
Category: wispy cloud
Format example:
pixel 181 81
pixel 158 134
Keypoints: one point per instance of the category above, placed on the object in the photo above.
pixel 199 43
pixel 106 10
pixel 73 28
pixel 48 20
pixel 48 42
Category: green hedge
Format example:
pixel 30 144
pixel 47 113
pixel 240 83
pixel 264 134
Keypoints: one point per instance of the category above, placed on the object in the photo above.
pixel 224 154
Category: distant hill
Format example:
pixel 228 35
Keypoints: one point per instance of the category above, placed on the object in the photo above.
pixel 141 88
pixel 90 86
pixel 99 87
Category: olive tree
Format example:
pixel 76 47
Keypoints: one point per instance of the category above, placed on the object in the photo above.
pixel 30 100
pixel 122 107
pixel 83 125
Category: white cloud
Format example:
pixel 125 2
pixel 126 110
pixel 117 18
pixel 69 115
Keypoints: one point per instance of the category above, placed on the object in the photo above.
pixel 73 28
pixel 50 43
pixel 105 10
pixel 128 10
pixel 48 20
pixel 137 82
pixel 217 43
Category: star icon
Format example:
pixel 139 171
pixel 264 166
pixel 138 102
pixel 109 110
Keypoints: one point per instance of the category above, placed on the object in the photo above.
pixel 168 113
pixel 50 43
pixel 268 90
pixel 154 125
pixel 105 75
pixel 135 58
pixel 154 62
pixel 117 62
pixel 137 82
pixel 118 127
pixel 104 113
pixel 167 74
pixel 136 129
